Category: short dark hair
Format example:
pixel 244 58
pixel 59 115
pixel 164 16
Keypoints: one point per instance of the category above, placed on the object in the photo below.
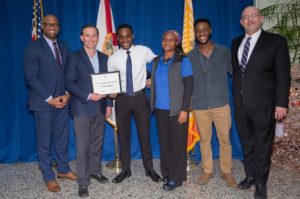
pixel 89 26
pixel 124 26
pixel 205 20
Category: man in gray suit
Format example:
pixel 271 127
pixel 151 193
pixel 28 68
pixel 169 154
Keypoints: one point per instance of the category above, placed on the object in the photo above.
pixel 89 109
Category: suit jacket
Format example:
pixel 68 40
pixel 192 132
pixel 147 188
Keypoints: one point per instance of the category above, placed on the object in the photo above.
pixel 78 83
pixel 265 83
pixel 43 75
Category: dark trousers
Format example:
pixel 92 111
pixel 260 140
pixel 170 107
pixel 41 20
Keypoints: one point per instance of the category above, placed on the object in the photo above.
pixel 256 129
pixel 137 106
pixel 52 130
pixel 173 144
pixel 89 141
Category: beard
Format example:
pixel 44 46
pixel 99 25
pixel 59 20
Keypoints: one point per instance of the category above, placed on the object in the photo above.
pixel 205 42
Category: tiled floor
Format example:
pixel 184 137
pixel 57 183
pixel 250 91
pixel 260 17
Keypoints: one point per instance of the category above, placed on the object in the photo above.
pixel 23 180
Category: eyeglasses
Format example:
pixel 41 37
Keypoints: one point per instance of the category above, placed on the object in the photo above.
pixel 50 25
pixel 252 16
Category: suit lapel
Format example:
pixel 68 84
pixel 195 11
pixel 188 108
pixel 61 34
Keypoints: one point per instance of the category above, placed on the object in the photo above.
pixel 47 48
pixel 236 50
pixel 86 60
pixel 63 53
pixel 257 47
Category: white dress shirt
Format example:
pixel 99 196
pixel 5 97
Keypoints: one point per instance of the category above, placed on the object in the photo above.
pixel 253 41
pixel 140 56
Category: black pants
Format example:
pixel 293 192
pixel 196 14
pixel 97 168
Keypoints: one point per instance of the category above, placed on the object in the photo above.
pixel 173 144
pixel 139 107
pixel 256 129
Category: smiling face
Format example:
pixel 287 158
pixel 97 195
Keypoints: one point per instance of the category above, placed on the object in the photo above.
pixel 168 42
pixel 251 20
pixel 125 38
pixel 89 37
pixel 50 27
pixel 203 32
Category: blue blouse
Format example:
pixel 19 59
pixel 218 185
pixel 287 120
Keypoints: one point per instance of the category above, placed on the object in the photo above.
pixel 162 100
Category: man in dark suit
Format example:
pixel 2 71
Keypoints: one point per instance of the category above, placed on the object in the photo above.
pixel 261 82
pixel 44 62
pixel 88 109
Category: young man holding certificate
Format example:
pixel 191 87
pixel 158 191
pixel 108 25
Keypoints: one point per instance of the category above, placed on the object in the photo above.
pixel 89 109
pixel 131 61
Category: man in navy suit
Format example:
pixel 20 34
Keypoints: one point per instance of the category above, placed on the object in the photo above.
pixel 261 82
pixel 89 109
pixel 44 62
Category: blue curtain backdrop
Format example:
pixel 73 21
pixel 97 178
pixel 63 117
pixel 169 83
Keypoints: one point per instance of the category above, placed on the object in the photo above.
pixel 149 18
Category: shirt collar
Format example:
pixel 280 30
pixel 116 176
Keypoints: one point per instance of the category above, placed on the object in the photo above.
pixel 130 49
pixel 254 36
pixel 49 41
pixel 216 47
pixel 161 59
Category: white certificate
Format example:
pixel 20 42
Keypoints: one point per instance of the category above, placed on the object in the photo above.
pixel 106 83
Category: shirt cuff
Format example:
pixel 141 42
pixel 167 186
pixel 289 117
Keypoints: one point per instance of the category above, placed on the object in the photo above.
pixel 89 97
pixel 49 98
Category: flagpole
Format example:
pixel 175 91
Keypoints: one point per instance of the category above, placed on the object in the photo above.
pixel 116 163
pixel 188 41
pixel 108 45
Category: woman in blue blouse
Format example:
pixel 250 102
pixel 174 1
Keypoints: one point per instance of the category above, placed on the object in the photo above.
pixel 171 91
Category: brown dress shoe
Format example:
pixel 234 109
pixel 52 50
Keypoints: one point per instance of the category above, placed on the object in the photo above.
pixel 229 179
pixel 70 175
pixel 53 186
pixel 205 177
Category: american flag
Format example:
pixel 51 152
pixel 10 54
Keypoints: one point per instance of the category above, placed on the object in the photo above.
pixel 37 17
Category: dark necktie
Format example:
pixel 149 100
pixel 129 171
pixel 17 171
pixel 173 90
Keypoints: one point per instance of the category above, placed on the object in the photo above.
pixel 57 57
pixel 245 54
pixel 129 82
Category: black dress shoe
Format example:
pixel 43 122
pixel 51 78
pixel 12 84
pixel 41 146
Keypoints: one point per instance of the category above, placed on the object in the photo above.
pixel 83 191
pixel 153 175
pixel 165 180
pixel 246 183
pixel 101 178
pixel 260 192
pixel 171 185
pixel 119 178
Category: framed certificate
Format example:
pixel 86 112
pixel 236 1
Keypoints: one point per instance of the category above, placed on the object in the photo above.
pixel 106 83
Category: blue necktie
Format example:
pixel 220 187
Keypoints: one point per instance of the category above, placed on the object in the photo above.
pixel 245 54
pixel 129 82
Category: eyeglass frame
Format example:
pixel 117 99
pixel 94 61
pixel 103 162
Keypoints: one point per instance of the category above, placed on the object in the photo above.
pixel 253 15
pixel 50 25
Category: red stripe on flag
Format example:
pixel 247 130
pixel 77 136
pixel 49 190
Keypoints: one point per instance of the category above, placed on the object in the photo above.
pixel 108 16
pixel 109 22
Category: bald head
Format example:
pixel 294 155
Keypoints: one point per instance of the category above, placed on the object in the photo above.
pixel 251 20
pixel 50 17
pixel 250 8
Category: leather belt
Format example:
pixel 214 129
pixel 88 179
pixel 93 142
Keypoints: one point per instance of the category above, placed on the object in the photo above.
pixel 135 93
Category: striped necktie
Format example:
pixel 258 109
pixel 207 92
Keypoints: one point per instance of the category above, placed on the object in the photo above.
pixel 245 54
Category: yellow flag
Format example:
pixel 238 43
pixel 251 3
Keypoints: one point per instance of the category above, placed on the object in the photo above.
pixel 188 36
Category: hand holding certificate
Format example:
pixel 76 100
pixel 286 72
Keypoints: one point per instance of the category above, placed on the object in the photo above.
pixel 106 83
